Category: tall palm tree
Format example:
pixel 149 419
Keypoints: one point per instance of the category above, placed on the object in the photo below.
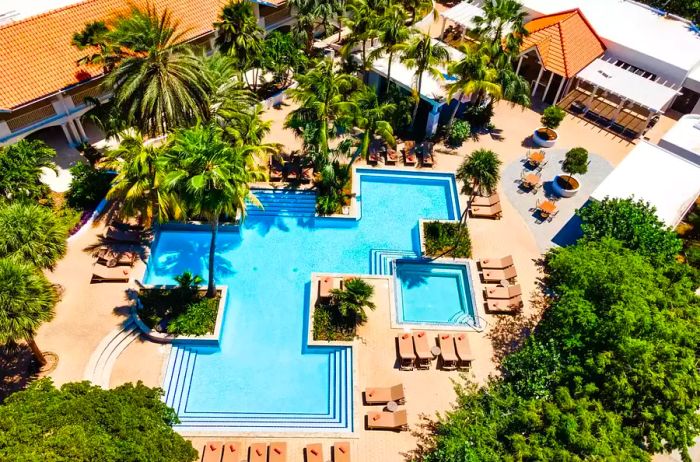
pixel 213 177
pixel 479 173
pixel 306 15
pixel 138 186
pixel 27 300
pixel 158 85
pixel 30 233
pixel 393 34
pixel 22 165
pixel 502 19
pixel 363 23
pixel 423 54
pixel 372 118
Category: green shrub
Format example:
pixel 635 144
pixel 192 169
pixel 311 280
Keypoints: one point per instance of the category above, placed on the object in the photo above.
pixel 446 240
pixel 332 188
pixel 459 132
pixel 199 318
pixel 552 117
pixel 478 116
pixel 576 162
pixel 88 186
pixel 330 326
pixel 338 318
pixel 21 167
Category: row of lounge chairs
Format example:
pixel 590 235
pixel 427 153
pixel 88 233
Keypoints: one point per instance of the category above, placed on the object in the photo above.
pixel 290 168
pixel 506 297
pixel 415 351
pixel 486 206
pixel 216 451
pixel 412 154
pixel 113 265
pixel 392 418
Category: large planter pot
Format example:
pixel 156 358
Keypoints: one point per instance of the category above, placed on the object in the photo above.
pixel 544 137
pixel 565 186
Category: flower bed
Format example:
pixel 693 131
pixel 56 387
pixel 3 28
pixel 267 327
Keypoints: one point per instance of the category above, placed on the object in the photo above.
pixel 446 239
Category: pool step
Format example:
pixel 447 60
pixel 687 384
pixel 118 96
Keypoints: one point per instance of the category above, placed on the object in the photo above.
pixel 381 260
pixel 283 202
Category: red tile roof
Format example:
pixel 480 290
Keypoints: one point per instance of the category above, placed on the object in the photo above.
pixel 565 41
pixel 36 55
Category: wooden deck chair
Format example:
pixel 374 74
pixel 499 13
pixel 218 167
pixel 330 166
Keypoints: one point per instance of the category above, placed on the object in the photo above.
pixel 420 343
pixel 494 275
pixel 407 356
pixel 212 451
pixel 233 452
pixel 387 420
pixel 277 452
pixel 509 305
pixel 464 351
pixel 500 292
pixel 341 451
pixel 313 452
pixel 496 263
pixel 448 354
pixel 385 394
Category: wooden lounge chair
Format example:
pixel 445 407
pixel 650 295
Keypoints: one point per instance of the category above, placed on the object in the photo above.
pixel 420 343
pixel 387 420
pixel 494 275
pixel 385 394
pixel 409 153
pixel 448 355
pixel 505 305
pixel 464 351
pixel 341 451
pixel 257 452
pixel 278 452
pixel 117 235
pixel 406 354
pixel 391 156
pixel 499 292
pixel 105 274
pixel 307 174
pixel 495 211
pixel 373 156
pixel 483 201
pixel 212 451
pixel 313 452
pixel 427 158
pixel 233 452
pixel 326 284
pixel 109 257
pixel 496 263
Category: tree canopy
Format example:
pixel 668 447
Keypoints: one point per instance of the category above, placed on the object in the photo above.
pixel 79 422
pixel 21 167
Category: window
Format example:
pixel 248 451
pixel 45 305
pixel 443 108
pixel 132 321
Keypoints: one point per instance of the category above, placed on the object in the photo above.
pixel 636 70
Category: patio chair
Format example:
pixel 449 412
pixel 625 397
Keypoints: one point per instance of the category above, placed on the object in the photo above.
pixel 448 354
pixel 486 201
pixel 509 305
pixel 257 452
pixel 427 158
pixel 326 284
pixel 496 263
pixel 277 452
pixel 313 452
pixel 307 174
pixel 495 211
pixel 212 451
pixel 387 420
pixel 107 274
pixel 420 343
pixel 373 156
pixel 341 451
pixel 233 452
pixel 391 156
pixel 111 258
pixel 500 292
pixel 464 351
pixel 494 275
pixel 409 153
pixel 406 355
pixel 385 394
pixel 117 235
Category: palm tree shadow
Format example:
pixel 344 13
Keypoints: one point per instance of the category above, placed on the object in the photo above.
pixel 17 369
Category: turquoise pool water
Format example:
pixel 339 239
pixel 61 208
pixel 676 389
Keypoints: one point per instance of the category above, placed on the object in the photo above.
pixel 263 376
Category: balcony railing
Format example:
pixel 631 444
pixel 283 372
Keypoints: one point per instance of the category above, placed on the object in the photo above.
pixel 91 92
pixel 31 117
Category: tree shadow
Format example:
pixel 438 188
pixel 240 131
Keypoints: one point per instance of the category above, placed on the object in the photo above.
pixel 423 433
pixel 17 369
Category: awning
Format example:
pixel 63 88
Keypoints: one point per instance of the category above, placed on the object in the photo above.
pixel 651 173
pixel 463 14
pixel 648 93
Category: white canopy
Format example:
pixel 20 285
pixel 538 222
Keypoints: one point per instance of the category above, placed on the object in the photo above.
pixel 648 93
pixel 651 173
pixel 463 14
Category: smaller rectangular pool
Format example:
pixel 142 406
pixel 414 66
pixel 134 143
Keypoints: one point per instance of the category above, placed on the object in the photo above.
pixel 433 293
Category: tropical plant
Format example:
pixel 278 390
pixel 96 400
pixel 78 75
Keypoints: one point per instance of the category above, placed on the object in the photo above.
pixel 27 300
pixel 332 187
pixel 393 34
pixel 372 118
pixel 363 24
pixel 352 299
pixel 247 127
pixel 443 239
pixel 21 167
pixel 400 117
pixel 425 55
pixel 552 117
pixel 306 15
pixel 104 116
pixel 82 422
pixel 30 233
pixel 575 162
pixel 158 85
pixel 198 318
pixel 418 8
pixel 502 24
pixel 213 179
pixel 479 173
pixel 95 38
pixel 283 56
pixel 88 186
pixel 458 133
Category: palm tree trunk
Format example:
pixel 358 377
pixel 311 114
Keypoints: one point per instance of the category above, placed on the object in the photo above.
pixel 340 27
pixel 211 288
pixel 364 150
pixel 388 72
pixel 38 355
pixel 415 109
pixel 454 112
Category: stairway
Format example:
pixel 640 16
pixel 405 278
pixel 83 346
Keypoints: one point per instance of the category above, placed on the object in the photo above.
pixel 99 367
pixel 284 203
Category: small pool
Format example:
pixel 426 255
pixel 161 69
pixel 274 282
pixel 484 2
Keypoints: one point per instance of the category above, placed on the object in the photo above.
pixel 434 293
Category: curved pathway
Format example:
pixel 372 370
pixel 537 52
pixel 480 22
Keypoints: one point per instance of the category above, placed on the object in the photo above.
pixel 99 367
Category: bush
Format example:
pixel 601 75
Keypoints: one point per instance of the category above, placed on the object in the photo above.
pixel 552 117
pixel 400 117
pixel 21 167
pixel 459 132
pixel 88 186
pixel 446 240
pixel 478 116
pixel 332 188
pixel 338 318
pixel 575 162
pixel 90 152
pixel 199 318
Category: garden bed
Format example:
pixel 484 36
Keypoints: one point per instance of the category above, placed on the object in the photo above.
pixel 446 239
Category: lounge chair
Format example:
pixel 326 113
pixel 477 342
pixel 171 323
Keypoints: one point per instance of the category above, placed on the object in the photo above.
pixel 326 284
pixel 106 274
pixel 387 420
pixel 448 354
pixel 420 343
pixel 277 452
pixel 114 234
pixel 409 153
pixel 500 292
pixel 391 156
pixel 505 305
pixel 427 158
pixel 373 156
pixel 307 174
pixel 108 257
pixel 495 211
pixel 494 275
pixel 257 452
pixel 486 201
pixel 464 351
pixel 406 353
pixel 385 394
pixel 212 451
pixel 276 170
pixel 313 452
pixel 233 452
pixel 496 263
pixel 341 452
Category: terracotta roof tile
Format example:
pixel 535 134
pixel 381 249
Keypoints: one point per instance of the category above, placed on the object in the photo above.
pixel 565 41
pixel 36 55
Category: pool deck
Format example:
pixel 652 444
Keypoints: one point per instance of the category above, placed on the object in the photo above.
pixel 87 313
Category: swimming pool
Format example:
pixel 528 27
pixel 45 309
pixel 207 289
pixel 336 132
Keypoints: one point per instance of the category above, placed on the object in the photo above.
pixel 263 376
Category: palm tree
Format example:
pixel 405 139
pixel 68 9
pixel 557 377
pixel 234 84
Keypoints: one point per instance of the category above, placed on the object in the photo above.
pixel 22 165
pixel 307 19
pixel 95 38
pixel 479 173
pixel 417 6
pixel 352 299
pixel 423 54
pixel 363 23
pixel 138 186
pixel 393 34
pixel 27 300
pixel 502 17
pixel 30 233
pixel 213 177
pixel 158 85
pixel 371 117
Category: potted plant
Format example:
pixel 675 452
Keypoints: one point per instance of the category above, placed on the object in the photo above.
pixel 546 136
pixel 575 163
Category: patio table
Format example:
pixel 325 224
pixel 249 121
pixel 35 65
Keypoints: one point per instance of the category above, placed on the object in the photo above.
pixel 547 207
pixel 535 157
pixel 531 180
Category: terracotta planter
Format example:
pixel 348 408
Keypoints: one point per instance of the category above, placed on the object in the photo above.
pixel 545 137
pixel 565 186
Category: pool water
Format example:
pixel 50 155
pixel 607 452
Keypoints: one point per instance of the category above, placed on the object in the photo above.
pixel 263 375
